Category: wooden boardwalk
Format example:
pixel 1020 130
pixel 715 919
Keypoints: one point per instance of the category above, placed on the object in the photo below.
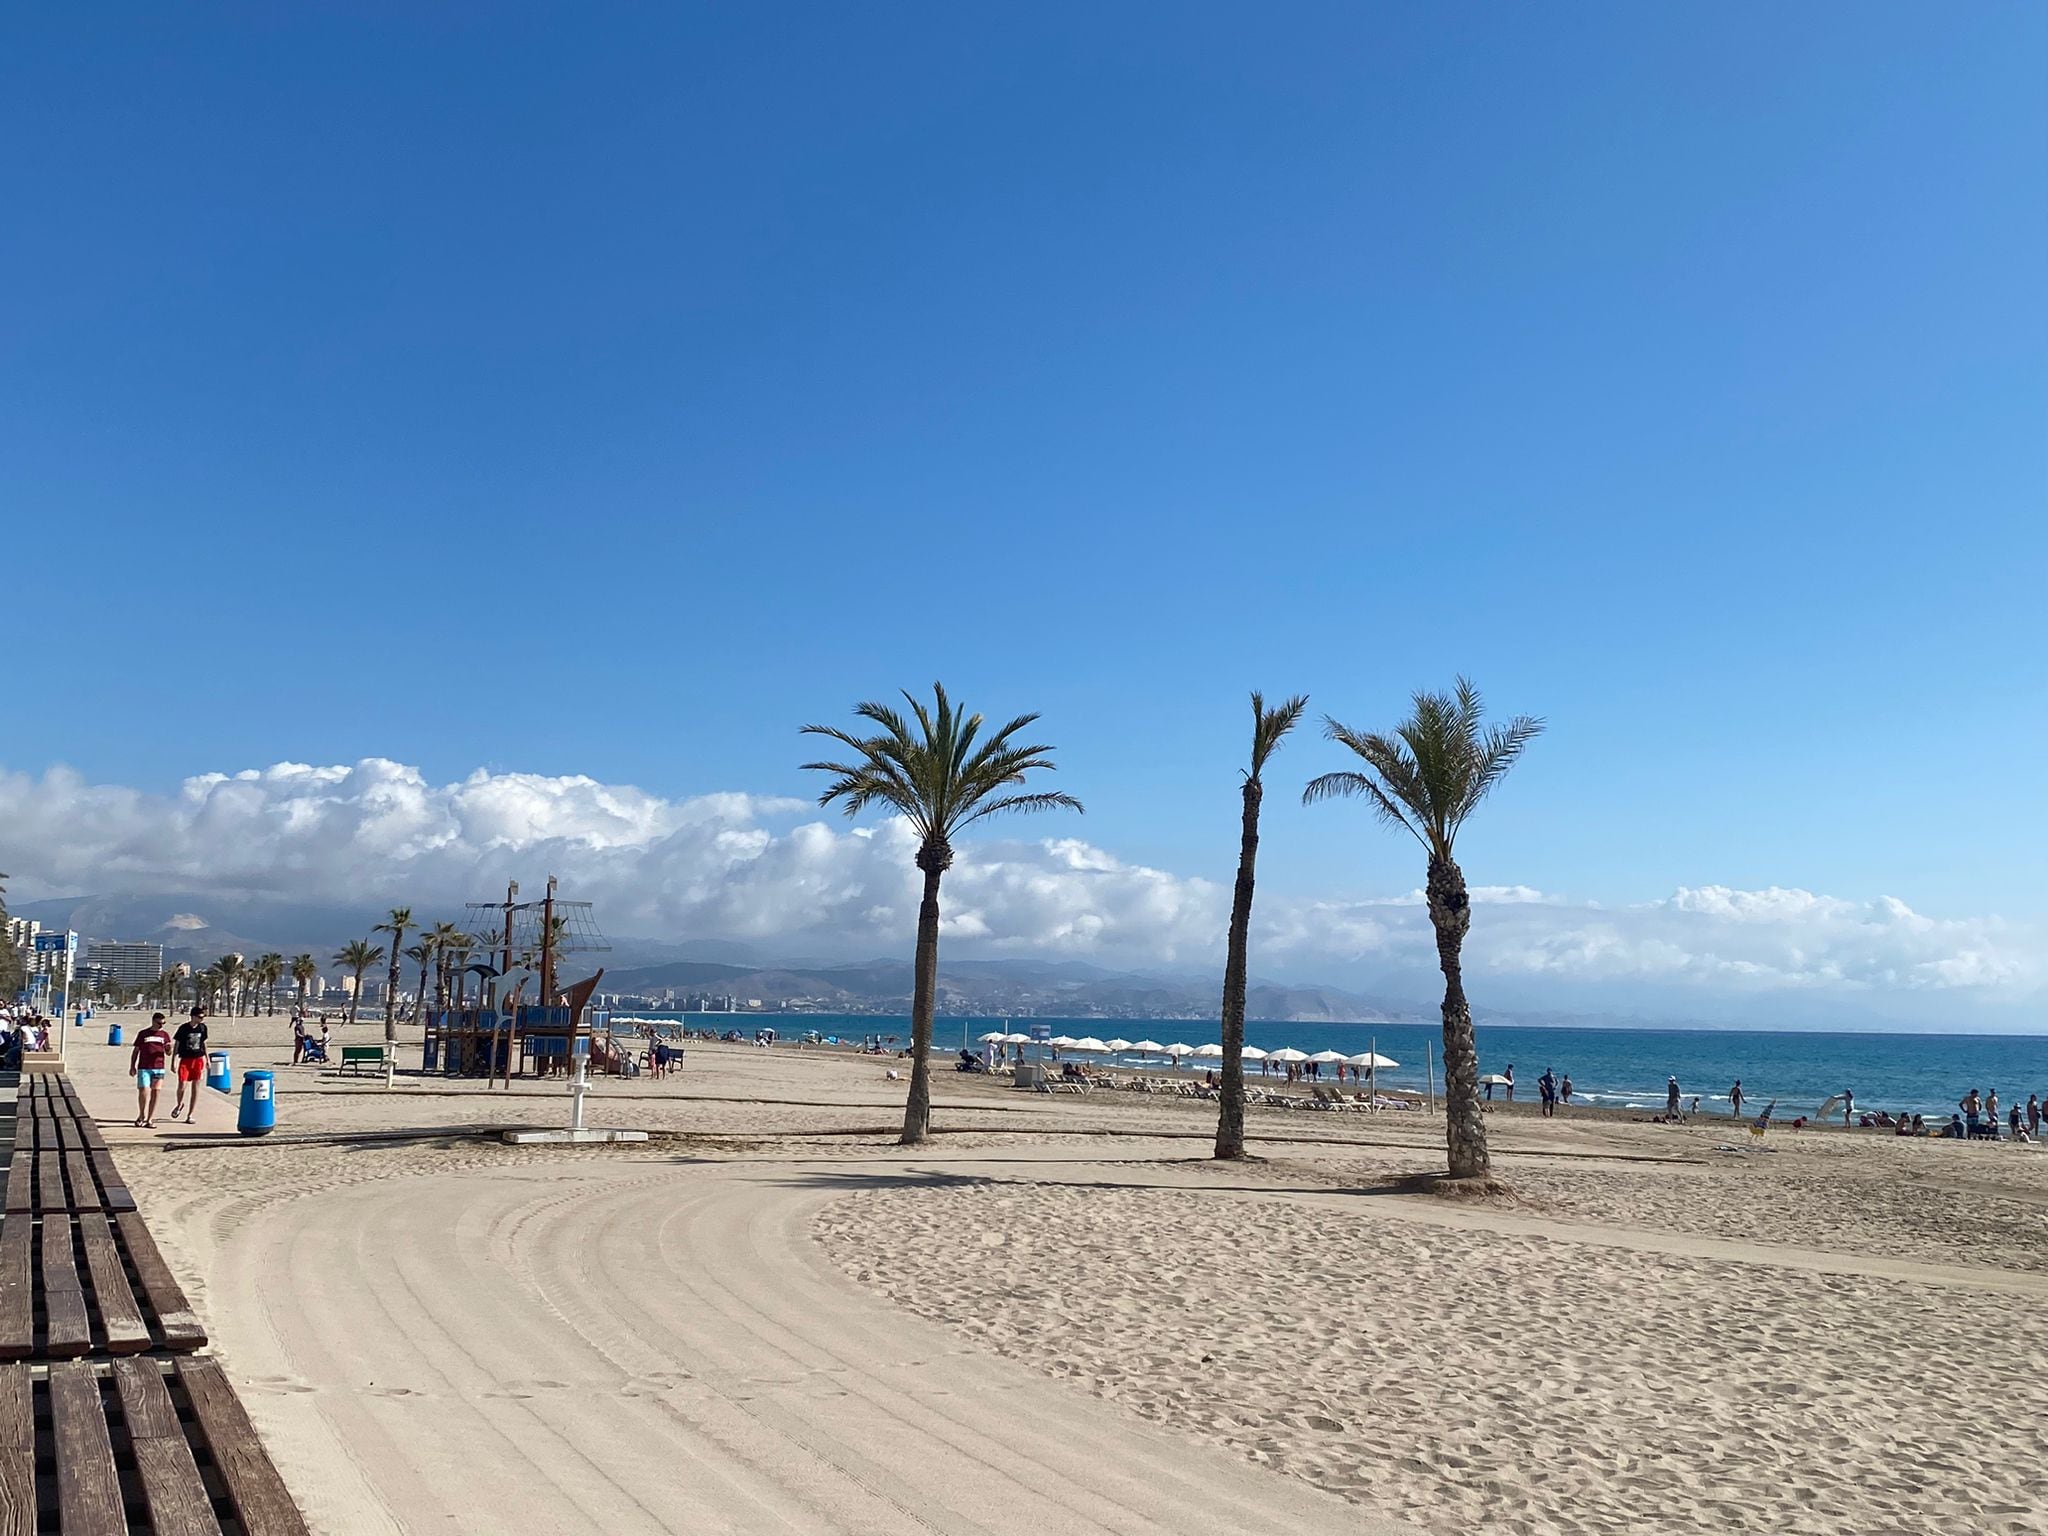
pixel 109 1424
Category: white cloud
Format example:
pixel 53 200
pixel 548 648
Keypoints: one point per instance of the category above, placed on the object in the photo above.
pixel 1710 936
pixel 770 871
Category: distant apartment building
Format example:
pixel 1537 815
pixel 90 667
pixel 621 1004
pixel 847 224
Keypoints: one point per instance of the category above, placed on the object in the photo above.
pixel 21 933
pixel 125 964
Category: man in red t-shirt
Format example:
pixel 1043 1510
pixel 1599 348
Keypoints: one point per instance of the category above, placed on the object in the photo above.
pixel 146 1066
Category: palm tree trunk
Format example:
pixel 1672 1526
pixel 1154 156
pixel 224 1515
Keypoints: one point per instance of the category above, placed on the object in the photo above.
pixel 917 1110
pixel 1230 1113
pixel 355 997
pixel 391 993
pixel 1450 909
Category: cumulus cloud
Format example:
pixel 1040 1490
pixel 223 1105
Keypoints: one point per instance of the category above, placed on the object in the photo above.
pixel 771 871
pixel 1710 936
pixel 725 865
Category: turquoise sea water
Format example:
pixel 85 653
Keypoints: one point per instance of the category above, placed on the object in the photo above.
pixel 1610 1067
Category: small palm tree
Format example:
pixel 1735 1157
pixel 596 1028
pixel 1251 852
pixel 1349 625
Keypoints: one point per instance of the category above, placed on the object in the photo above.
pixel 940 781
pixel 357 956
pixel 269 971
pixel 1269 727
pixel 422 955
pixel 448 940
pixel 230 972
pixel 305 969
pixel 1427 779
pixel 395 924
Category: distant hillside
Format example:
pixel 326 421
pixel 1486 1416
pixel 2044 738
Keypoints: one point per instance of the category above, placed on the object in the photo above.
pixel 1055 989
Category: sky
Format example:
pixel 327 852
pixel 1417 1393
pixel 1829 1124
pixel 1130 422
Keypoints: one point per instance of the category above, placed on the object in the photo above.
pixel 574 401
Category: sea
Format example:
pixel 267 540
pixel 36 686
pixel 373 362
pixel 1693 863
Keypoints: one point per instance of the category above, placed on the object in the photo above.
pixel 1614 1068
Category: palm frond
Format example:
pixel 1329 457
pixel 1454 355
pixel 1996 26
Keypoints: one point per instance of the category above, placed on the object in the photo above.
pixel 1270 726
pixel 1048 801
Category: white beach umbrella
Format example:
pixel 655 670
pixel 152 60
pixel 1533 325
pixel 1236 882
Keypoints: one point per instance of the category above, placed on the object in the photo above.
pixel 993 1037
pixel 1064 1042
pixel 1368 1059
pixel 1253 1053
pixel 1117 1045
pixel 1287 1053
pixel 1148 1047
pixel 1087 1043
pixel 1015 1039
pixel 1176 1050
pixel 1209 1052
pixel 1326 1057
pixel 1497 1080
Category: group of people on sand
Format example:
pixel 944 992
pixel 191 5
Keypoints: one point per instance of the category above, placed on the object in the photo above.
pixel 24 1031
pixel 1551 1089
pixel 1976 1118
pixel 158 1051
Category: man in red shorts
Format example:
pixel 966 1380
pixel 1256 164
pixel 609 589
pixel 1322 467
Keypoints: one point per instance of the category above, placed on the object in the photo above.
pixel 146 1066
pixel 189 1047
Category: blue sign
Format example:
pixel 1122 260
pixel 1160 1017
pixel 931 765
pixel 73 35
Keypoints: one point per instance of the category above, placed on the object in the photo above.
pixel 54 943
pixel 1041 1031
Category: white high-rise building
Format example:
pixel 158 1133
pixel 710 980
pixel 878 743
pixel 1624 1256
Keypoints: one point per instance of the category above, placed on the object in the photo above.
pixel 126 965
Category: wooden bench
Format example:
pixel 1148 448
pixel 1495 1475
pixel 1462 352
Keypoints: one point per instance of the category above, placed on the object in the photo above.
pixel 79 1271
pixel 354 1056
pixel 134 1448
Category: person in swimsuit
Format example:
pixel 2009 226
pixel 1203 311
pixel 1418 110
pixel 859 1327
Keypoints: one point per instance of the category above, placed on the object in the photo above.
pixel 188 1047
pixel 146 1066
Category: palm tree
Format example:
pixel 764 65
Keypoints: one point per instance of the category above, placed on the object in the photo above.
pixel 230 972
pixel 395 925
pixel 1269 726
pixel 940 781
pixel 304 970
pixel 1427 778
pixel 269 971
pixel 422 954
pixel 167 986
pixel 447 939
pixel 357 956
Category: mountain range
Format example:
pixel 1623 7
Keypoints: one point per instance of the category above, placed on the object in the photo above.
pixel 198 929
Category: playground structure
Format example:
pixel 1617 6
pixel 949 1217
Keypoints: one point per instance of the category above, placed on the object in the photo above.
pixel 521 1020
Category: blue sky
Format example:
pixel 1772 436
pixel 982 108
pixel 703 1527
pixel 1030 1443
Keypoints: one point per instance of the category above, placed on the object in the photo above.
pixel 677 375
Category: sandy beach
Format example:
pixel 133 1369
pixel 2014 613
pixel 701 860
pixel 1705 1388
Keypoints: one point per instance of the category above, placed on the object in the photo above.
pixel 1062 1317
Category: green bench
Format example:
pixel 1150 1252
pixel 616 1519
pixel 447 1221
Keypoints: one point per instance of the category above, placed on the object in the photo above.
pixel 354 1056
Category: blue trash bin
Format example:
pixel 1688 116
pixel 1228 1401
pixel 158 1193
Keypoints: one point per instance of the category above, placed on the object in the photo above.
pixel 259 1107
pixel 218 1077
pixel 113 1034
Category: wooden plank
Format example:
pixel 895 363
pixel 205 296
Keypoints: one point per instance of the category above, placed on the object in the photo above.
pixel 21 1183
pixel 120 1316
pixel 156 1287
pixel 17 1452
pixel 88 1488
pixel 259 1495
pixel 171 1484
pixel 17 1289
pixel 114 1194
pixel 67 1331
pixel 85 1190
pixel 49 1181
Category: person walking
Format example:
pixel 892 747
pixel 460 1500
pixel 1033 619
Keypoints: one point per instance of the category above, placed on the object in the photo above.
pixel 1564 1090
pixel 1735 1101
pixel 1849 1106
pixel 298 1038
pixel 188 1047
pixel 1508 1072
pixel 2034 1116
pixel 146 1065
pixel 1671 1095
pixel 1546 1089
